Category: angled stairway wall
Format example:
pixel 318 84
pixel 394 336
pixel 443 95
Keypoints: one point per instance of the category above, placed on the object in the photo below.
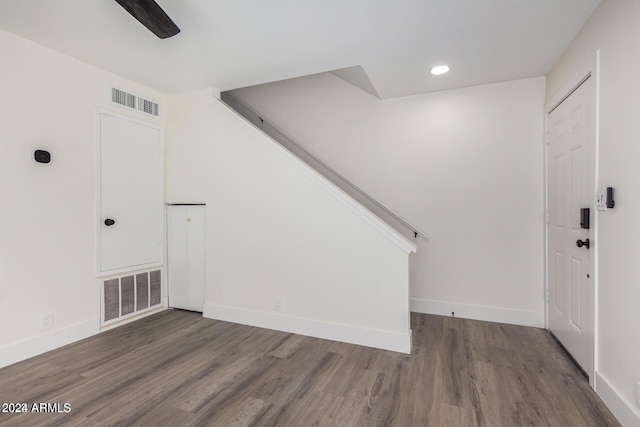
pixel 410 231
pixel 276 229
pixel 464 165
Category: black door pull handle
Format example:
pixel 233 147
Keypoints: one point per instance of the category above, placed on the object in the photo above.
pixel 109 222
pixel 581 243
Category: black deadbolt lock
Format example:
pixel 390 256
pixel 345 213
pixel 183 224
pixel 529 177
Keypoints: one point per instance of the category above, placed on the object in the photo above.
pixel 109 222
pixel 584 219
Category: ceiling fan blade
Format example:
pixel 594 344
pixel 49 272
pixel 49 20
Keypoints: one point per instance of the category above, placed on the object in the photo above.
pixel 151 15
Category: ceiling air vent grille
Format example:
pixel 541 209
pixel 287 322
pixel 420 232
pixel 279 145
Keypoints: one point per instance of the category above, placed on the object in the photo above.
pixel 132 101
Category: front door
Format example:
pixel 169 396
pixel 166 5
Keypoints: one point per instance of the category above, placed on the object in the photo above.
pixel 571 187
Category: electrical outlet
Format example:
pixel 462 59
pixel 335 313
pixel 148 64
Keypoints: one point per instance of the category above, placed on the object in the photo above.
pixel 46 321
pixel 279 304
pixel 638 393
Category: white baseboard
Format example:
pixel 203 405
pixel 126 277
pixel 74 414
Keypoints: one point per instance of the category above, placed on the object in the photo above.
pixel 626 413
pixel 479 312
pixel 22 350
pixel 385 340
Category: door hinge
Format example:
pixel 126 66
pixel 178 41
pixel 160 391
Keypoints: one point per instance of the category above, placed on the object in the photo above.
pixel 547 215
pixel 546 295
pixel 546 138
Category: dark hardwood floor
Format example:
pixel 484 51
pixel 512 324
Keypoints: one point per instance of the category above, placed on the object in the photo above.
pixel 178 369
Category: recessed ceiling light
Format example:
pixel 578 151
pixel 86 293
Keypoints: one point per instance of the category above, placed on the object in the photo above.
pixel 440 69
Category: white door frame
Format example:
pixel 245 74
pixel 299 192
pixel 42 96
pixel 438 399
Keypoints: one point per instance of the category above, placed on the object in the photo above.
pixel 589 69
pixel 98 200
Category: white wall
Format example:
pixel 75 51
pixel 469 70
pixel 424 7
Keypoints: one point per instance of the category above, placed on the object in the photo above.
pixel 277 229
pixel 465 166
pixel 614 29
pixel 47 220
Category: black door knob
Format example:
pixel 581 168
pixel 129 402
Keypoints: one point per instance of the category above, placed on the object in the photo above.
pixel 109 222
pixel 581 243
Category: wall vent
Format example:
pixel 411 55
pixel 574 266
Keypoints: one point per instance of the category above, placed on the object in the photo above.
pixel 129 295
pixel 123 98
pixel 147 106
pixel 135 102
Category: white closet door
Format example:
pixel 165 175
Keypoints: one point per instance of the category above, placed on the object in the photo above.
pixel 131 194
pixel 186 251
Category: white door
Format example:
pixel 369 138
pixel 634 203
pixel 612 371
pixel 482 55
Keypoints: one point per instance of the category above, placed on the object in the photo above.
pixel 571 187
pixel 186 256
pixel 131 194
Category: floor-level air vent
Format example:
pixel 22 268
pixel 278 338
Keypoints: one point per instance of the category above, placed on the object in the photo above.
pixel 136 102
pixel 131 294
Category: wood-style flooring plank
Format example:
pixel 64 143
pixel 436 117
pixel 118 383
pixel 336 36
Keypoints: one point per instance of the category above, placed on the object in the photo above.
pixel 176 368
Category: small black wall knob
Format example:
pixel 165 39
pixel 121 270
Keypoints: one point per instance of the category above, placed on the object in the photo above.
pixel 109 222
pixel 581 243
pixel 42 156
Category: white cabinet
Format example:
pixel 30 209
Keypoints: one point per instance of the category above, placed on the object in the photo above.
pixel 186 256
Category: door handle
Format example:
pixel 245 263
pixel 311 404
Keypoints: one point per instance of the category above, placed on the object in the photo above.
pixel 109 222
pixel 581 243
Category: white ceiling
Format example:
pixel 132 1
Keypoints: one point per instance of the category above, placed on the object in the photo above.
pixel 229 44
